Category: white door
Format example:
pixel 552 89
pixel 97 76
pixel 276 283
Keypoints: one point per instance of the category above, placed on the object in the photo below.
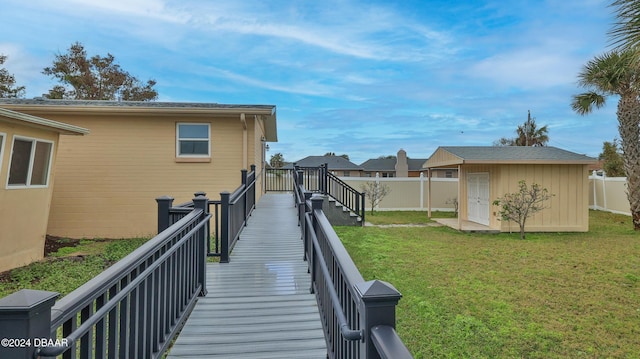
pixel 478 198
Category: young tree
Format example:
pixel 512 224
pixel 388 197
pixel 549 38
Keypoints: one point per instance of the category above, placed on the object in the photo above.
pixel 8 88
pixel 521 205
pixel 277 160
pixel 527 134
pixel 375 192
pixel 344 155
pixel 95 78
pixel 613 164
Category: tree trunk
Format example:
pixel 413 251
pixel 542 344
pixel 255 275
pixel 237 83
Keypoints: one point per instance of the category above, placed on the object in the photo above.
pixel 629 127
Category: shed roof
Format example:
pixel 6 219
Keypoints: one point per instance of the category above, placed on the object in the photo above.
pixel 457 155
pixel 333 163
pixel 44 106
pixel 39 122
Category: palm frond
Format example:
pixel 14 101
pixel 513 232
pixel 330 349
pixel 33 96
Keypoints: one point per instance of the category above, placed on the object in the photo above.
pixel 585 102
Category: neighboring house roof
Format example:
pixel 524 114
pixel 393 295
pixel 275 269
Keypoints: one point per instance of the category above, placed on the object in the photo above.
pixel 389 164
pixel 456 155
pixel 39 122
pixel 379 164
pixel 415 164
pixel 267 112
pixel 336 163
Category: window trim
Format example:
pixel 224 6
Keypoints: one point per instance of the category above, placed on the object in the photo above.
pixel 3 137
pixel 34 141
pixel 178 139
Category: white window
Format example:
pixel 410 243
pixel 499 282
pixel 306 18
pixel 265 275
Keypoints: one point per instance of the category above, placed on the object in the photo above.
pixel 193 140
pixel 30 162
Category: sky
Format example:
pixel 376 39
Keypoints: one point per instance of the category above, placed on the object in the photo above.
pixel 355 77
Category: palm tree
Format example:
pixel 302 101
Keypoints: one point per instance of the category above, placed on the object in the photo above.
pixel 626 29
pixel 527 134
pixel 615 73
pixel 530 135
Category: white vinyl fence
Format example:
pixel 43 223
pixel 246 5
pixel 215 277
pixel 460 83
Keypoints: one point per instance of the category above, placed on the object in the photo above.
pixel 608 194
pixel 411 193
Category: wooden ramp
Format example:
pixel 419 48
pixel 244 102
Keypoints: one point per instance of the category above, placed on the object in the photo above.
pixel 258 305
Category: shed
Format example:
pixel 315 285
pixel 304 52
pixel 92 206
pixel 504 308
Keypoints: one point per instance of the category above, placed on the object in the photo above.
pixel 488 173
pixel 28 147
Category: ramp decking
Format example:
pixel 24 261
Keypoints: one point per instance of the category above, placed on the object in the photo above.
pixel 258 305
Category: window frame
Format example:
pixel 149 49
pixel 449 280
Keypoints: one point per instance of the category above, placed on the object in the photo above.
pixel 179 140
pixel 3 140
pixel 34 142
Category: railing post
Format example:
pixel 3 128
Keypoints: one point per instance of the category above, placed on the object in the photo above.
pixel 164 204
pixel 224 226
pixel 303 211
pixel 363 209
pixel 25 315
pixel 316 203
pixel 202 202
pixel 377 307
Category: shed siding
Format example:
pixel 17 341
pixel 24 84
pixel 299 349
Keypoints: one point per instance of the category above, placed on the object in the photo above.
pixel 24 211
pixel 108 180
pixel 567 210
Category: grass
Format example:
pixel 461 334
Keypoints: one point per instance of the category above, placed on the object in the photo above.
pixel 69 267
pixel 554 295
pixel 404 217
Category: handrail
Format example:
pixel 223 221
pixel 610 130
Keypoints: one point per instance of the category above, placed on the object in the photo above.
pixel 113 301
pixel 159 281
pixel 388 343
pixel 345 329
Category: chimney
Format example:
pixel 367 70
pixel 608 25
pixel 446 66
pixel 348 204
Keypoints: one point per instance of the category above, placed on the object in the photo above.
pixel 402 166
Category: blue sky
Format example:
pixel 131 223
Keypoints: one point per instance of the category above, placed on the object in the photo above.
pixel 364 78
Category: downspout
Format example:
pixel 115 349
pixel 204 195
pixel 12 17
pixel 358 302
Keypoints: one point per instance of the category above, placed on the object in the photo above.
pixel 245 150
pixel 459 196
pixel 429 192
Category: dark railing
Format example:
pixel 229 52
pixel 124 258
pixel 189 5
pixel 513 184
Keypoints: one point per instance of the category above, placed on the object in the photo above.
pixel 131 310
pixel 230 215
pixel 317 180
pixel 358 316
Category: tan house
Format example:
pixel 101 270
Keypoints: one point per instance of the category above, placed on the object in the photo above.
pixel 487 173
pixel 337 165
pixel 107 183
pixel 28 146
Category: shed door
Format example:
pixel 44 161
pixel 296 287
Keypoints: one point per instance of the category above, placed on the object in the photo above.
pixel 478 198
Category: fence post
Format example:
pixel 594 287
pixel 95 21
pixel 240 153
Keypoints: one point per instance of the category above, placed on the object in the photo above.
pixel 224 227
pixel 377 307
pixel 25 315
pixel 202 202
pixel 303 211
pixel 164 204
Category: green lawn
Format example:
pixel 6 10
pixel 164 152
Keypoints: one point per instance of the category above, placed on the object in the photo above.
pixel 553 295
pixel 69 267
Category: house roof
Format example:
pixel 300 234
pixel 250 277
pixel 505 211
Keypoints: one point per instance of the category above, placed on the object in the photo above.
pixel 379 164
pixel 39 122
pixel 44 106
pixel 415 164
pixel 337 163
pixel 457 155
pixel 389 164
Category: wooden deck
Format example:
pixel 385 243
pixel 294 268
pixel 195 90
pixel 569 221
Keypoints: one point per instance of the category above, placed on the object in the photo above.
pixel 258 305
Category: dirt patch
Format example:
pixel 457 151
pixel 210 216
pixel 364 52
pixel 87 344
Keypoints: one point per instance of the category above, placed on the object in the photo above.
pixel 53 243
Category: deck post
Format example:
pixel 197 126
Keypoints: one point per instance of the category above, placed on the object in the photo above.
pixel 202 202
pixel 243 181
pixel 224 226
pixel 25 319
pixel 164 204
pixel 316 203
pixel 378 307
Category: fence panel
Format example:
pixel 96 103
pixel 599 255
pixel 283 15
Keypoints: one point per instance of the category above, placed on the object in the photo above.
pixel 609 194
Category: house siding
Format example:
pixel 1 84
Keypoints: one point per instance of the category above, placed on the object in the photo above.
pixel 24 211
pixel 108 181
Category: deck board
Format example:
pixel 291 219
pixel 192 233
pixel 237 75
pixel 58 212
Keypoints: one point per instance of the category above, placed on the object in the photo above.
pixel 258 305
